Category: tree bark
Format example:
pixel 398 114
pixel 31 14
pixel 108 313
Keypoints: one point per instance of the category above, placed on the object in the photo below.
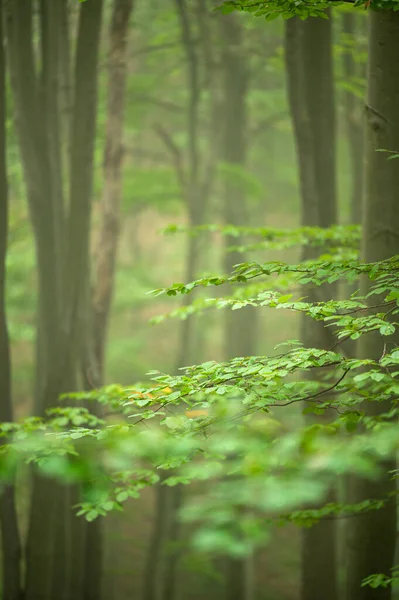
pixel 10 539
pixel 373 535
pixel 311 98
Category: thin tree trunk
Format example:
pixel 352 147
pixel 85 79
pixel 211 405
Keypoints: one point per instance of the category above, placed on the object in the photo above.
pixel 110 205
pixel 107 248
pixel 187 353
pixel 190 179
pixel 354 122
pixel 65 88
pixel 311 98
pixel 153 575
pixel 195 205
pixel 175 501
pixel 10 539
pixel 77 315
pixel 373 535
pixel 240 330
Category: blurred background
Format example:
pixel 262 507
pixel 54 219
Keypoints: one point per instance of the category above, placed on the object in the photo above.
pixel 207 138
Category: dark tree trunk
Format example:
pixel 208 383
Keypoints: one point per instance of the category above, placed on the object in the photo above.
pixel 33 145
pixel 77 313
pixel 10 540
pixel 311 98
pixel 373 535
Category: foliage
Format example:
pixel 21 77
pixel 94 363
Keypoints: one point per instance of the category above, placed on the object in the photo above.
pixel 219 424
pixel 381 580
pixel 301 8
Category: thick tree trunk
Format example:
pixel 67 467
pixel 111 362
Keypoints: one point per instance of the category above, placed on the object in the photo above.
pixel 373 536
pixel 55 540
pixel 34 151
pixel 10 540
pixel 311 98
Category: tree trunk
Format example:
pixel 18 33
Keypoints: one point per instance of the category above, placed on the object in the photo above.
pixel 354 122
pixel 62 243
pixel 107 247
pixel 10 540
pixel 110 204
pixel 311 98
pixel 194 202
pixel 77 313
pixel 373 535
pixel 240 328
pixel 153 575
pixel 33 145
pixel 161 584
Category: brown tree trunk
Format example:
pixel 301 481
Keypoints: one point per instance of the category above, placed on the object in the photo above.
pixel 10 540
pixel 373 535
pixel 110 204
pixel 311 98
